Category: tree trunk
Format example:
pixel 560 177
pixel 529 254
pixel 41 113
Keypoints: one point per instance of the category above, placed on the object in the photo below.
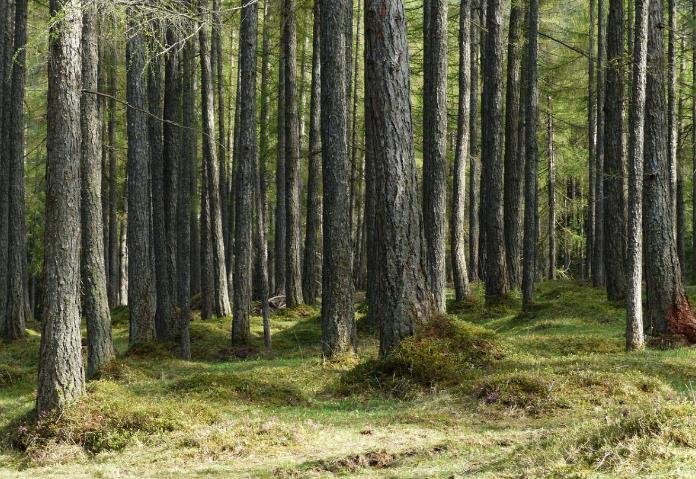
pixel 672 106
pixel 221 301
pixel 311 274
pixel 339 332
pixel 598 278
pixel 531 158
pixel 95 303
pixel 614 164
pixel 457 231
pixel 592 146
pixel 497 284
pixel 293 276
pixel 16 257
pixel 114 250
pixel 693 146
pixel 669 311
pixel 61 374
pixel 353 146
pixel 7 44
pixel 514 162
pixel 474 172
pixel 401 299
pixel 551 193
pixel 279 257
pixel 244 174
pixel 435 146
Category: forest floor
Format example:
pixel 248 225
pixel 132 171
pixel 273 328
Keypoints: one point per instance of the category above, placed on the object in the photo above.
pixel 561 399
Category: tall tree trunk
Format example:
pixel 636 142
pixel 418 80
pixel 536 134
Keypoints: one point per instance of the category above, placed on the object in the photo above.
pixel 614 164
pixel 221 301
pixel 497 284
pixel 401 300
pixel 681 206
pixel 339 332
pixel 551 192
pixel 531 157
pixel 206 253
pixel 113 254
pixel 7 44
pixel 293 276
pixel 311 274
pixel 16 256
pixel 61 374
pixel 354 150
pixel 279 257
pixel 95 303
pixel 474 172
pixel 592 146
pixel 457 225
pixel 142 300
pixel 672 106
pixel 669 311
pixel 514 162
pixel 598 256
pixel 693 146
pixel 244 175
pixel 435 145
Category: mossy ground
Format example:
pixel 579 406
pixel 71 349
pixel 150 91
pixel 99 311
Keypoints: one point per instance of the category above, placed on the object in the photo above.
pixel 549 393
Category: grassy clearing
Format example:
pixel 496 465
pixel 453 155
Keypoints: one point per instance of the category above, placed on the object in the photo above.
pixel 546 394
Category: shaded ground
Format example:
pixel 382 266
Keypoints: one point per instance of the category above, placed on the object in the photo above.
pixel 562 400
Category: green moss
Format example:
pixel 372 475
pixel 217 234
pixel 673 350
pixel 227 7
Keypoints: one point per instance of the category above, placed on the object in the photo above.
pixel 10 375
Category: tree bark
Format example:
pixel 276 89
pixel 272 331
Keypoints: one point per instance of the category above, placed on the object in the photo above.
pixel 95 303
pixel 672 105
pixel 514 162
pixel 551 193
pixel 311 274
pixel 244 175
pixel 457 226
pixel 279 256
pixel 401 300
pixel 339 332
pixel 474 172
pixel 598 278
pixel 496 280
pixel 592 146
pixel 142 299
pixel 61 374
pixel 668 308
pixel 435 145
pixel 7 44
pixel 113 254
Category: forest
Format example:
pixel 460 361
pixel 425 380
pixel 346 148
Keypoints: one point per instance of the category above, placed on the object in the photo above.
pixel 347 238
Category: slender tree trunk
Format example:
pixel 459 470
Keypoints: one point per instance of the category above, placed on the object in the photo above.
pixel 61 374
pixel 244 175
pixel 551 192
pixel 279 257
pixel 16 257
pixel 401 300
pixel 207 281
pixel 669 311
pixel 514 163
pixel 531 158
pixel 95 304
pixel 354 180
pixel 114 265
pixel 693 146
pixel 7 44
pixel 592 145
pixel 457 232
pixel 497 284
pixel 311 274
pixel 681 206
pixel 672 105
pixel 598 256
pixel 221 301
pixel 339 332
pixel 435 146
pixel 474 172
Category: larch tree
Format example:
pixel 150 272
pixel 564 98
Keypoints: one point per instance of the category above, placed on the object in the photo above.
pixel 474 160
pixel 614 163
pixel 401 299
pixel 672 138
pixel 551 191
pixel 279 256
pixel 591 144
pixel 693 139
pixel 531 157
pixel 244 174
pixel 668 308
pixel 142 301
pixel 496 278
pixel 114 267
pixel 339 331
pixel 95 302
pixel 6 47
pixel 61 374
pixel 598 275
pixel 293 213
pixel 435 144
pixel 458 212
pixel 311 269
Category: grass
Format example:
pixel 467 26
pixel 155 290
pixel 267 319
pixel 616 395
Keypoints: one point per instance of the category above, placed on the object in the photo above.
pixel 549 393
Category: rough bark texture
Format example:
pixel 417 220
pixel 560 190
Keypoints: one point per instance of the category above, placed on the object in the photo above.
pixel 244 175
pixel 279 257
pixel 474 172
pixel 551 192
pixel 142 300
pixel 339 332
pixel 95 303
pixel 293 213
pixel 598 278
pixel 672 105
pixel 614 163
pixel 6 44
pixel 531 158
pixel 457 225
pixel 668 309
pixel 693 146
pixel 221 301
pixel 114 267
pixel 592 145
pixel 401 299
pixel 311 272
pixel 514 162
pixel 497 284
pixel 435 145
pixel 61 374
pixel 15 319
